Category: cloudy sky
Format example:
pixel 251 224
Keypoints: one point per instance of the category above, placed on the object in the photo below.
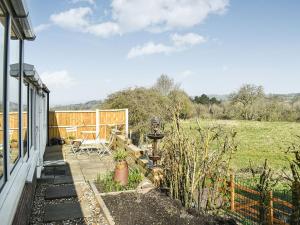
pixel 86 49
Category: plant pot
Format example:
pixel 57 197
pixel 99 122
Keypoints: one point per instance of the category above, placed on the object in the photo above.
pixel 121 172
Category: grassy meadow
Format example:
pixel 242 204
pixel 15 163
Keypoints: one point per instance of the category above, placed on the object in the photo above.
pixel 257 141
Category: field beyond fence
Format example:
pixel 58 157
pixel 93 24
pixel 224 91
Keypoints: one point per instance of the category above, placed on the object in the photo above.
pixel 88 124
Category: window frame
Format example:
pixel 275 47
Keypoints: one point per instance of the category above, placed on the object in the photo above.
pixel 7 23
pixel 26 85
pixel 13 165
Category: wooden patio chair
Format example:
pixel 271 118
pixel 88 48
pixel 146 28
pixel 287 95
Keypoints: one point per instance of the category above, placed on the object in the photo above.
pixel 106 146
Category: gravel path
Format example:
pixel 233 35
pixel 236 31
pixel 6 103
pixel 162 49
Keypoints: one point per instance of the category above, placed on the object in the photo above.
pixel 85 195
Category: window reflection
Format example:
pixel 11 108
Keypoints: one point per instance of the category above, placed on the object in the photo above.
pixel 25 116
pixel 1 93
pixel 13 89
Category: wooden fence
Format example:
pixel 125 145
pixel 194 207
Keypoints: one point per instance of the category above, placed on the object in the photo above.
pixel 88 124
pixel 244 201
pixel 13 122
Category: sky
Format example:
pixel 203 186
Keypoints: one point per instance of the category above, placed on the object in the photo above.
pixel 87 49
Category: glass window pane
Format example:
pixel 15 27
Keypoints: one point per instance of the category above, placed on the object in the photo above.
pixel 31 118
pixel 13 89
pixel 25 116
pixel 1 93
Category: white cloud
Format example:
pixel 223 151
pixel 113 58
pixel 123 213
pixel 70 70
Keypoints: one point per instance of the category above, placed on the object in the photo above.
pixel 162 15
pixel 187 39
pixel 149 48
pixel 137 15
pixel 58 79
pixel 92 2
pixel 103 29
pixel 42 27
pixel 178 43
pixel 77 19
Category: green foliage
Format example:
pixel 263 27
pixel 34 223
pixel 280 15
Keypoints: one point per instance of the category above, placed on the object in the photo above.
pixel 120 154
pixel 181 103
pixel 145 103
pixel 256 140
pixel 13 140
pixel 142 104
pixel 107 183
pixel 205 100
pixel 71 137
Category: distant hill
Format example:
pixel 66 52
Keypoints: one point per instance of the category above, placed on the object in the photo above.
pixel 95 104
pixel 285 97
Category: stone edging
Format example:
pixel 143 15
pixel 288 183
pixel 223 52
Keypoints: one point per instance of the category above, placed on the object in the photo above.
pixel 102 204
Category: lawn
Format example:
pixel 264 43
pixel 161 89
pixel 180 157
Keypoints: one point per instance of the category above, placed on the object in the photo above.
pixel 258 141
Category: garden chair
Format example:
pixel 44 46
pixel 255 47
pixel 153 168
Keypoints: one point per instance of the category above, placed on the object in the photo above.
pixel 75 144
pixel 106 146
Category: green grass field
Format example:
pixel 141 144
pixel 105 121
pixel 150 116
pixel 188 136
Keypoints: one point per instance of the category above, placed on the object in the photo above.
pixel 258 141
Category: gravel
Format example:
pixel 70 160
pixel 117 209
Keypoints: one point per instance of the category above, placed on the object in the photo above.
pixel 85 195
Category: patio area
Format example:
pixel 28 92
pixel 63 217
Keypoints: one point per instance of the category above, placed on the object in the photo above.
pixel 63 194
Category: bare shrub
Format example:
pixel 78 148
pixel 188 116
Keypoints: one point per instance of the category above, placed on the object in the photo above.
pixel 196 167
pixel 294 181
pixel 266 181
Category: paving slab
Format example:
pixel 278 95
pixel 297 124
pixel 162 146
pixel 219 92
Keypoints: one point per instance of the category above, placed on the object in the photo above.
pixel 63 180
pixel 63 211
pixel 58 192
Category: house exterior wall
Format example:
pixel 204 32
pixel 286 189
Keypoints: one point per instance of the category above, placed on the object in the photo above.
pixel 23 113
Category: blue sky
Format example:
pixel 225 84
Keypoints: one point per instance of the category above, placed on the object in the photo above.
pixel 87 49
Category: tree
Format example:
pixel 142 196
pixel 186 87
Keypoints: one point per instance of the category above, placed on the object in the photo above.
pixel 246 99
pixel 142 104
pixel 203 99
pixel 164 85
pixel 181 102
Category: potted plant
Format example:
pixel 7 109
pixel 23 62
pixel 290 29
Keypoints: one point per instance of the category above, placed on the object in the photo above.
pixel 121 169
pixel 69 140
pixel 13 143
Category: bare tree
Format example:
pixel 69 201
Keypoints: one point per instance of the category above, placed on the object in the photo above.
pixel 246 100
pixel 165 85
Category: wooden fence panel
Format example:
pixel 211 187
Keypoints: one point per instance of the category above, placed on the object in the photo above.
pixel 245 202
pixel 99 121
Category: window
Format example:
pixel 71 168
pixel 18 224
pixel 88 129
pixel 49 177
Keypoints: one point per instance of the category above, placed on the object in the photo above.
pixel 13 89
pixel 32 118
pixel 2 33
pixel 25 117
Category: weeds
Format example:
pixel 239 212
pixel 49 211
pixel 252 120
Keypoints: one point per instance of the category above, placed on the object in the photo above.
pixel 107 183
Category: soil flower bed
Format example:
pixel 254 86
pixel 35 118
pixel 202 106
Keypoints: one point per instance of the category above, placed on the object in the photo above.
pixel 154 208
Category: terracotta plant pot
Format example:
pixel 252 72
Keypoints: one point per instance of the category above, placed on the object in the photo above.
pixel 121 172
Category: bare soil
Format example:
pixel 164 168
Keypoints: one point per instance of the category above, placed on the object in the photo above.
pixel 155 208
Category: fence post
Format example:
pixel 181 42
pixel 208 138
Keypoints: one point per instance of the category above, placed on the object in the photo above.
pixel 97 125
pixel 126 123
pixel 271 211
pixel 232 192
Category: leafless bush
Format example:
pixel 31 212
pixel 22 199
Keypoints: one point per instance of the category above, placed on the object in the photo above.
pixel 196 166
pixel 266 181
pixel 294 181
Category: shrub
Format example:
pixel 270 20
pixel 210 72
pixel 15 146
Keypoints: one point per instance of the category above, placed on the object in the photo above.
pixel 107 183
pixel 120 155
pixel 195 168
